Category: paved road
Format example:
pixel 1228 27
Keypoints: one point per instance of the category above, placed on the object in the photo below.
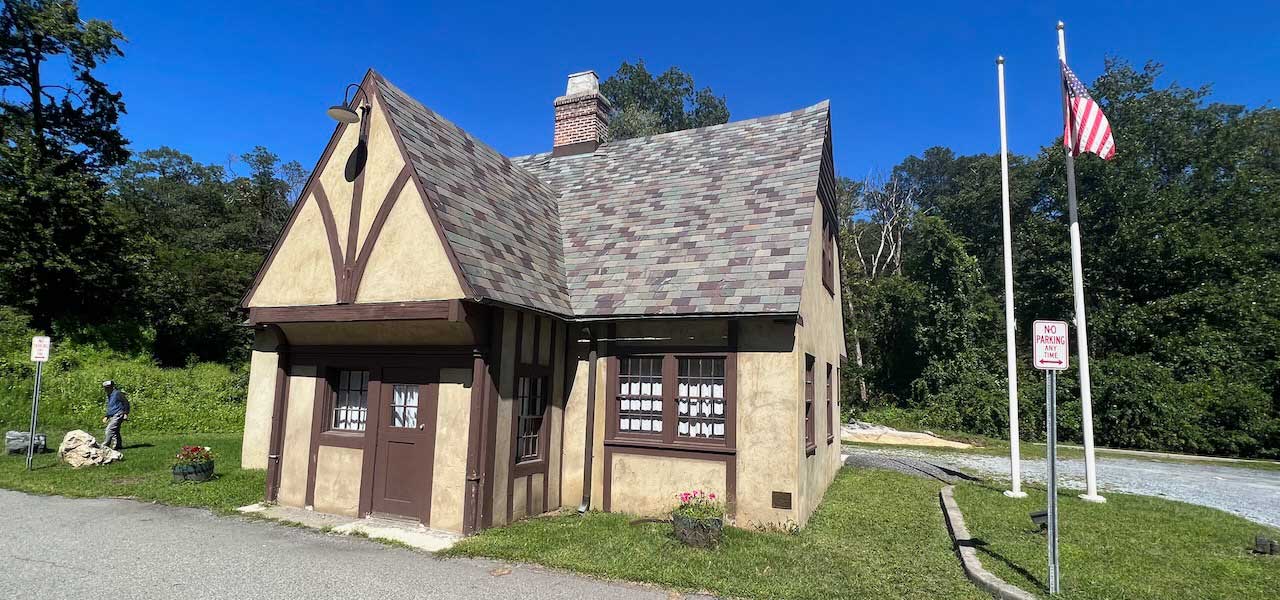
pixel 50 547
pixel 1251 493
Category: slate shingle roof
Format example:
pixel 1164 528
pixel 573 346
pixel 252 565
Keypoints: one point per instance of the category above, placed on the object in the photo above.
pixel 501 222
pixel 710 220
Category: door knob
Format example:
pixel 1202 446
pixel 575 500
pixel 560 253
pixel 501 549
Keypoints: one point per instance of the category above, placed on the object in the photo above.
pixel 422 427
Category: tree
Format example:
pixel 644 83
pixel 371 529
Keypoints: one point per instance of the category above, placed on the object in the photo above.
pixel 63 256
pixel 202 232
pixel 644 105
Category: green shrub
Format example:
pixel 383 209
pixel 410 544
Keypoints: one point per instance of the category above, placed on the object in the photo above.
pixel 203 397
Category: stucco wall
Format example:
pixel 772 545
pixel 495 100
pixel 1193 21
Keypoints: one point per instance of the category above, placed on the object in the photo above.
pixel 770 398
pixel 258 404
pixel 502 419
pixel 449 475
pixel 297 436
pixel 575 419
pixel 302 271
pixel 338 472
pixel 408 261
pixel 648 485
pixel 821 336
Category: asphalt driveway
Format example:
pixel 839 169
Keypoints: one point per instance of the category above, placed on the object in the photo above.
pixel 1250 493
pixel 55 547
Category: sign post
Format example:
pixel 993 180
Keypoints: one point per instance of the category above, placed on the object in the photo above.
pixel 39 355
pixel 1049 353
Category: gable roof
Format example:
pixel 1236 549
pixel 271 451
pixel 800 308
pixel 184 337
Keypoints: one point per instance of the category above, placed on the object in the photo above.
pixel 500 221
pixel 706 221
pixel 710 220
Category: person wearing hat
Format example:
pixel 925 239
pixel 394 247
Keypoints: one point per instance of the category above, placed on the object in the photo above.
pixel 117 413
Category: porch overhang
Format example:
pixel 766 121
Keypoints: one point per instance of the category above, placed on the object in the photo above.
pixel 426 310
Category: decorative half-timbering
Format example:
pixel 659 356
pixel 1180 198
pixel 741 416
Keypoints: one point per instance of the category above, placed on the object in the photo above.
pixel 465 339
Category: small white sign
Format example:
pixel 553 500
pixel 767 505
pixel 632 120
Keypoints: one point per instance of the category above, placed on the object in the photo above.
pixel 1049 343
pixel 40 349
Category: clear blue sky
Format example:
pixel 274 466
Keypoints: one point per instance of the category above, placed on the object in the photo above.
pixel 214 79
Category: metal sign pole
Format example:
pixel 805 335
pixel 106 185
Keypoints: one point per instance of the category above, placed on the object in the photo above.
pixel 1051 416
pixel 35 410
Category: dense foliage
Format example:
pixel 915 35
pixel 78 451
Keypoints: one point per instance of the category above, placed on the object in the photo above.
pixel 1181 267
pixel 645 105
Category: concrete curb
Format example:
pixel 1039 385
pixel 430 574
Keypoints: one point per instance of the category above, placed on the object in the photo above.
pixel 968 554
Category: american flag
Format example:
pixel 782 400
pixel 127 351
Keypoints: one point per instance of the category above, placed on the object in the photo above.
pixel 1092 131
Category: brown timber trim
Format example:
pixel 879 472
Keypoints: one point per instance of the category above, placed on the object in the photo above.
pixel 335 250
pixel 357 196
pixel 468 291
pixel 372 311
pixel 343 439
pixel 279 413
pixel 319 403
pixel 489 443
pixel 375 230
pixel 472 505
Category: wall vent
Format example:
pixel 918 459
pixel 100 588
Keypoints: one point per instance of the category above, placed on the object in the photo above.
pixel 782 500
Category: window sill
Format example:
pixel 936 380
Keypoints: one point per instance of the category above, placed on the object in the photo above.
pixel 529 467
pixel 810 450
pixel 678 446
pixel 342 439
pixel 831 439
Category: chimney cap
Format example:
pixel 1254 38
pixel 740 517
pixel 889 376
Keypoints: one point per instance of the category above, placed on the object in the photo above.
pixel 582 82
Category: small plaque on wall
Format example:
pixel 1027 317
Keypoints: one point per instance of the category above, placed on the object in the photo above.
pixel 782 500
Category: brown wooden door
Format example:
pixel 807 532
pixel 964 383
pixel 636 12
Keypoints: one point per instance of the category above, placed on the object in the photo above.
pixel 406 442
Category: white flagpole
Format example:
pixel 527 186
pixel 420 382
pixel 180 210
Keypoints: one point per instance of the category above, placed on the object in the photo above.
pixel 1077 287
pixel 1015 457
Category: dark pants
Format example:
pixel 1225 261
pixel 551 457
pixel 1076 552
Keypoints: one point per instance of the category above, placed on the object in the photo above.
pixel 112 438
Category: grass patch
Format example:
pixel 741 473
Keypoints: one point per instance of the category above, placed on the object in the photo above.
pixel 878 534
pixel 144 474
pixel 1132 547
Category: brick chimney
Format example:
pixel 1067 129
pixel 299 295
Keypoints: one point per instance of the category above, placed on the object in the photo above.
pixel 582 116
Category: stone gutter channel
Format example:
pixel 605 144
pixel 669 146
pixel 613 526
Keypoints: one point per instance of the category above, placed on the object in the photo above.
pixel 968 553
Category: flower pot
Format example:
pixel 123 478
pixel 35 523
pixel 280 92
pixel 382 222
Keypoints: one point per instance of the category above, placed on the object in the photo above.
pixel 198 472
pixel 699 533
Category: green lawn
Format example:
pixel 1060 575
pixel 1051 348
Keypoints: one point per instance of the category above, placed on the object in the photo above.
pixel 143 474
pixel 1132 547
pixel 878 534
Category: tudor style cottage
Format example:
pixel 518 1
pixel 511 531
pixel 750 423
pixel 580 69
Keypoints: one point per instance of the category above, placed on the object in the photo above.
pixel 464 339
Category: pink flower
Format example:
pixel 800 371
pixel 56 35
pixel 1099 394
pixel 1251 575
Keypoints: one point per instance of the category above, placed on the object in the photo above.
pixel 713 496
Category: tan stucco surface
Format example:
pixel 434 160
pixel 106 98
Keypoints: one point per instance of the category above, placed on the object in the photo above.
pixel 332 176
pixel 649 485
pixel 384 164
pixel 502 420
pixel 537 502
pixel 821 336
pixel 302 271
pixel 338 472
pixel 408 260
pixel 379 333
pixel 557 419
pixel 769 403
pixel 519 498
pixel 575 419
pixel 449 475
pixel 258 404
pixel 297 436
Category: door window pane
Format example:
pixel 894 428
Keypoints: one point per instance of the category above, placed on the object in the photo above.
pixel 404 405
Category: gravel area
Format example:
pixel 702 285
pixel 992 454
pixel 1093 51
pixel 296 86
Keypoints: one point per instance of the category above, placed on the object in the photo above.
pixel 1250 493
